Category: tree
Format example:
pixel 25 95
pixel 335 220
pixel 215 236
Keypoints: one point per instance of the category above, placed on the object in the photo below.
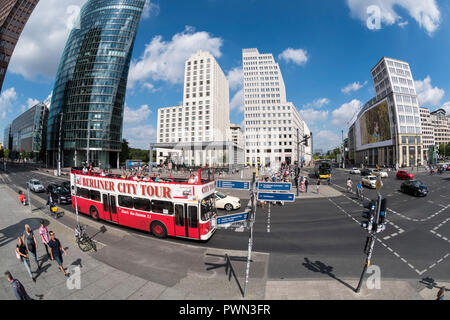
pixel 2 153
pixel 125 152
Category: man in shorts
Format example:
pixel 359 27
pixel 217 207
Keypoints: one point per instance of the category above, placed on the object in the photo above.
pixel 56 250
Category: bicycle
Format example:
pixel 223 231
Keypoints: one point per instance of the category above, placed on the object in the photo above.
pixel 359 193
pixel 85 243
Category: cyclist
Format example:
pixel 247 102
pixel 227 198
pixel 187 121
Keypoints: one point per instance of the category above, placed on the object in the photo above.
pixel 349 185
pixel 359 189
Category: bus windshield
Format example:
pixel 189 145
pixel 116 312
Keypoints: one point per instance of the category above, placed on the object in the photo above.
pixel 208 208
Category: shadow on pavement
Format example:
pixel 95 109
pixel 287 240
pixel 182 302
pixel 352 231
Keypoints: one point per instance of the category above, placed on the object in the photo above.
pixel 430 283
pixel 11 232
pixel 229 270
pixel 321 267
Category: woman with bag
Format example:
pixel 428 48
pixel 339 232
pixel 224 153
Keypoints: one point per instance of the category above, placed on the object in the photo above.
pixel 22 255
pixel 29 238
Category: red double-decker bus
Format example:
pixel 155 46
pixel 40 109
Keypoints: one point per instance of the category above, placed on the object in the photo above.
pixel 177 207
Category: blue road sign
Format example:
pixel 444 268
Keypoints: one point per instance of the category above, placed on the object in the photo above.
pixel 274 186
pixel 268 196
pixel 237 185
pixel 232 218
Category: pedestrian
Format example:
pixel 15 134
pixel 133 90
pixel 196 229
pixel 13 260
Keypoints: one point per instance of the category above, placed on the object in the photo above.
pixel 22 255
pixel 440 294
pixel 29 238
pixel 306 184
pixel 318 185
pixel 18 289
pixel 56 250
pixel 43 232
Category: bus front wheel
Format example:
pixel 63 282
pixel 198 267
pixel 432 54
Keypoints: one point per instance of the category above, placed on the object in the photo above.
pixel 94 213
pixel 158 230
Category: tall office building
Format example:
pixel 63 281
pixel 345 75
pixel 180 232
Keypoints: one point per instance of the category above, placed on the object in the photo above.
pixel 14 15
pixel 198 132
pixel 388 128
pixel 441 124
pixel 427 131
pixel 271 122
pixel 86 115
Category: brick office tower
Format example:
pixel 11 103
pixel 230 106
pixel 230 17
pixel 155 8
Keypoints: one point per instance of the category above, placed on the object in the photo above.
pixel 14 15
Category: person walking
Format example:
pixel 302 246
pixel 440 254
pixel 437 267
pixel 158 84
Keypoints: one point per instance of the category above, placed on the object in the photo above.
pixel 440 294
pixel 29 238
pixel 18 289
pixel 22 255
pixel 318 185
pixel 56 250
pixel 50 201
pixel 306 184
pixel 43 232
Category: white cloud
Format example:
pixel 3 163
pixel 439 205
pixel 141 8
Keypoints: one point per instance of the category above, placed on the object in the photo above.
pixel 7 99
pixel 326 140
pixel 297 56
pixel 342 116
pixel 425 12
pixel 318 103
pixel 32 102
pixel 237 102
pixel 428 95
pixel 446 107
pixel 311 115
pixel 235 78
pixel 164 60
pixel 140 136
pixel 43 39
pixel 137 116
pixel 151 9
pixel 355 86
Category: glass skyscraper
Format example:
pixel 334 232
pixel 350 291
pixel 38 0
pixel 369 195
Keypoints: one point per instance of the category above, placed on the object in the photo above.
pixel 89 91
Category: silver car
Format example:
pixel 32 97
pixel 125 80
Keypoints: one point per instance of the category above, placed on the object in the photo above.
pixel 35 186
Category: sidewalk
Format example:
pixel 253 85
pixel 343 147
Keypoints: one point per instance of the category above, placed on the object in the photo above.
pixel 199 274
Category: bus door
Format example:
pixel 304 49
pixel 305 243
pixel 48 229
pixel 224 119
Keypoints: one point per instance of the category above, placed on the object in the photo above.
pixel 186 221
pixel 109 208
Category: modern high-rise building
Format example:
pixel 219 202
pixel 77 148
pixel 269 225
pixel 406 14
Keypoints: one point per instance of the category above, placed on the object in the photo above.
pixel 14 15
pixel 7 140
pixel 198 132
pixel 271 122
pixel 427 131
pixel 388 130
pixel 86 115
pixel 237 135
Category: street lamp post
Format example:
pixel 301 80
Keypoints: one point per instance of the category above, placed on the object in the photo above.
pixel 59 145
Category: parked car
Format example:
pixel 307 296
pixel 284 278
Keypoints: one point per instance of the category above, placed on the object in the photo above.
pixel 414 187
pixel 369 181
pixel 226 202
pixel 381 173
pixel 66 184
pixel 35 186
pixel 403 175
pixel 355 171
pixel 366 172
pixel 59 193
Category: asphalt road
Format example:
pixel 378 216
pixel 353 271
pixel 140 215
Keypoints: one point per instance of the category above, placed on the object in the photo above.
pixel 320 238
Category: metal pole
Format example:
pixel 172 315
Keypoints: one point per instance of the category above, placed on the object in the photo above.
pixel 250 239
pixel 298 160
pixel 75 190
pixel 369 257
pixel 343 151
pixel 88 139
pixel 59 145
pixel 29 198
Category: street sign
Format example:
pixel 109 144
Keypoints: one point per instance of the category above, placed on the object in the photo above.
pixel 286 197
pixel 274 186
pixel 237 185
pixel 379 183
pixel 232 218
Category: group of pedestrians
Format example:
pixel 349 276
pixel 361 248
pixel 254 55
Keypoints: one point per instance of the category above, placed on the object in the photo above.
pixel 27 246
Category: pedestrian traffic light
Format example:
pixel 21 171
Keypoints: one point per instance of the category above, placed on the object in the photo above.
pixel 369 215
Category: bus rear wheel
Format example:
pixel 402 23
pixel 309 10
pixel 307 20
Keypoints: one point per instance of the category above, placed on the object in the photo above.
pixel 158 230
pixel 94 213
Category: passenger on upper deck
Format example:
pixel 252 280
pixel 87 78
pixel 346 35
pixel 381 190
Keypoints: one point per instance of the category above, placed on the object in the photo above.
pixel 193 179
pixel 85 170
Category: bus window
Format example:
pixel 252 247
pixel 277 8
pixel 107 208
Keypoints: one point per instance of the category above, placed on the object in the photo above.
pixel 193 217
pixel 82 192
pixel 179 217
pixel 126 202
pixel 113 204
pixel 95 195
pixel 142 204
pixel 165 207
pixel 208 208
pixel 105 203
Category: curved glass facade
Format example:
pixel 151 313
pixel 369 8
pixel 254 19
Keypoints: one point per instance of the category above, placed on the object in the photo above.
pixel 89 91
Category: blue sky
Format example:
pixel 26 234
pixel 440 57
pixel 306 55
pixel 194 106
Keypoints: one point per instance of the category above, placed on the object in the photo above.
pixel 327 75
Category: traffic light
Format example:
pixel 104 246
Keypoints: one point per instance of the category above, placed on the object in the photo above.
pixel 369 215
pixel 305 137
pixel 380 224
